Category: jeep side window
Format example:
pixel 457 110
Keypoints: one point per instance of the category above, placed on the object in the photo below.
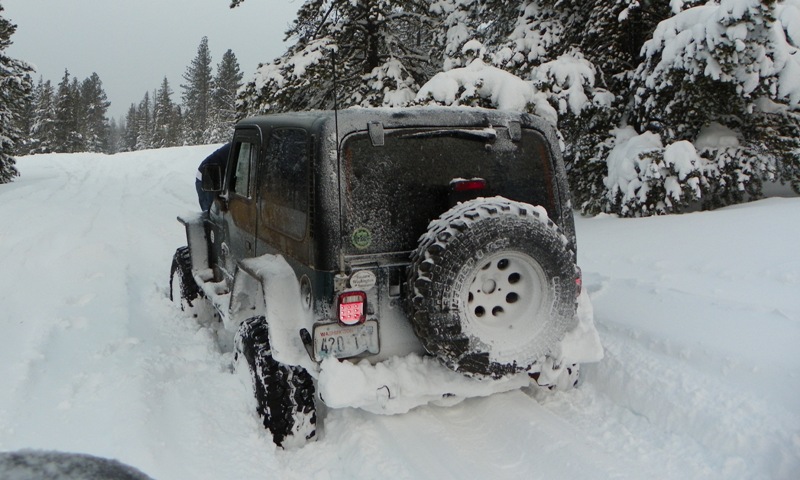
pixel 286 183
pixel 240 180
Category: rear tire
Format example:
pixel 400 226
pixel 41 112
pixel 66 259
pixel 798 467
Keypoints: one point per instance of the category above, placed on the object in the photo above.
pixel 284 394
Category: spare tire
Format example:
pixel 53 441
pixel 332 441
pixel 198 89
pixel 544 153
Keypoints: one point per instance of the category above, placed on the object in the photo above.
pixel 492 287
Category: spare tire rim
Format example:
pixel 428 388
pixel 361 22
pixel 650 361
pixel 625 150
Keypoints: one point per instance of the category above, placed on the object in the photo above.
pixel 506 299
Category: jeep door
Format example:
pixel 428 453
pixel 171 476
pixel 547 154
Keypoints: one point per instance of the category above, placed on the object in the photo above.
pixel 238 220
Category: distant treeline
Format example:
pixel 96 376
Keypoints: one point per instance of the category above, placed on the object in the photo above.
pixel 72 116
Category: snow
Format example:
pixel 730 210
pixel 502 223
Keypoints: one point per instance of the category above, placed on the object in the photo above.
pixel 626 165
pixel 403 383
pixel 698 315
pixel 502 89
pixel 569 74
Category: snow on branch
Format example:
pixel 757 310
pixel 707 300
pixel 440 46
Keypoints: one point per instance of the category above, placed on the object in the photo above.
pixel 742 42
pixel 479 84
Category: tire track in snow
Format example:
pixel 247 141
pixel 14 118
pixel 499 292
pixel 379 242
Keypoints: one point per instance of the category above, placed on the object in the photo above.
pixel 505 436
pixel 664 409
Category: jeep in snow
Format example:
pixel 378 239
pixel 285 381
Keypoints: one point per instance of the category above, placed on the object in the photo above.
pixel 436 242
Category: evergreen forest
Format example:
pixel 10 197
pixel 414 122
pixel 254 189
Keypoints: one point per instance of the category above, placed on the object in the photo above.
pixel 661 105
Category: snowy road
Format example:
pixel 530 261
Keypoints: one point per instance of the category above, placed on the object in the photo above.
pixel 699 315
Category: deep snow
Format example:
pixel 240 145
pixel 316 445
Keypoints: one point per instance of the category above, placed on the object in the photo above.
pixel 698 313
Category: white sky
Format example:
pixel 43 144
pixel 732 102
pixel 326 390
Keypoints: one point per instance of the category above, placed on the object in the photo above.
pixel 134 44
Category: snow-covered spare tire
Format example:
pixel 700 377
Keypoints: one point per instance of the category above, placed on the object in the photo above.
pixel 493 287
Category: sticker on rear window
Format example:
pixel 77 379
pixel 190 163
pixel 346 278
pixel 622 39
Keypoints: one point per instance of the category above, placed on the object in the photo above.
pixel 361 238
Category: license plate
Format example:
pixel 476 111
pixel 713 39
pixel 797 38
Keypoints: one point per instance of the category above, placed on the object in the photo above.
pixel 338 341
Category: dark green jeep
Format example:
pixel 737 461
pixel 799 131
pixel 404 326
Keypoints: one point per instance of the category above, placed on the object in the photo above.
pixel 436 240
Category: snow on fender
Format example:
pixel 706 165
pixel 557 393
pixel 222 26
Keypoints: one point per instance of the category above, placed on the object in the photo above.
pixel 277 285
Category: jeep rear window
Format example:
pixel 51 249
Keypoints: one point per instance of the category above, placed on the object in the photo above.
pixel 393 191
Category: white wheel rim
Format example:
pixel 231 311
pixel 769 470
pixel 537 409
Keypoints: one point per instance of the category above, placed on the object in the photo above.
pixel 506 300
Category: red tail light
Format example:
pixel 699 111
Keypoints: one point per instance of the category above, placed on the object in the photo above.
pixel 579 282
pixel 352 308
pixel 468 185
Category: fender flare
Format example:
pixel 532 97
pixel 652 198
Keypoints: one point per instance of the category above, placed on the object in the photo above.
pixel 268 286
pixel 196 240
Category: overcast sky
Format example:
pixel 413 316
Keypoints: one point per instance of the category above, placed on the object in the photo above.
pixel 134 44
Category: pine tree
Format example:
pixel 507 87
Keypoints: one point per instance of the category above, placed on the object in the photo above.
pixel 94 105
pixel 43 132
pixel 197 94
pixel 15 87
pixel 67 123
pixel 22 112
pixel 165 133
pixel 223 99
pixel 377 52
pixel 733 78
pixel 178 125
pixel 130 135
pixel 144 124
pixel 610 35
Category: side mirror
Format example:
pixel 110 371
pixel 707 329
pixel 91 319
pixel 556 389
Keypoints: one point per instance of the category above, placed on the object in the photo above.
pixel 212 178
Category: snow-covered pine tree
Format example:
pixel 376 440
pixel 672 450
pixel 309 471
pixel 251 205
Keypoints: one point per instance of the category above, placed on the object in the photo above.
pixel 591 83
pixel 94 105
pixel 15 86
pixel 22 112
pixel 223 115
pixel 67 114
pixel 165 129
pixel 129 135
pixel 42 134
pixel 144 124
pixel 197 94
pixel 379 51
pixel 490 23
pixel 722 75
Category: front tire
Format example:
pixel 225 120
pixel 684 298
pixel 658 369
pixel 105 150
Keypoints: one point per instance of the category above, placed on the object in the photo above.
pixel 284 394
pixel 182 287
